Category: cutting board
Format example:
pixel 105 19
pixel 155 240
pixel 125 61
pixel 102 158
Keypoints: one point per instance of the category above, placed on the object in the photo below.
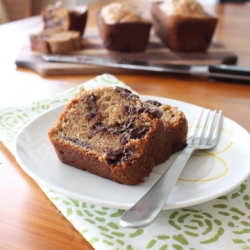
pixel 92 46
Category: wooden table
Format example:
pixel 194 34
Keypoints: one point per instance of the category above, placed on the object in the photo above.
pixel 28 220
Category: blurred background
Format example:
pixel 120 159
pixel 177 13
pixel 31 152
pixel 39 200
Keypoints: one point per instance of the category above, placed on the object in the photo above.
pixel 12 10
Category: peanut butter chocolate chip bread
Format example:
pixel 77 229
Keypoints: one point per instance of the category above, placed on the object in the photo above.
pixel 62 31
pixel 183 25
pixel 110 132
pixel 58 16
pixel 123 27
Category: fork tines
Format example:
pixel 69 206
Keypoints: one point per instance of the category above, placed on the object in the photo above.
pixel 206 128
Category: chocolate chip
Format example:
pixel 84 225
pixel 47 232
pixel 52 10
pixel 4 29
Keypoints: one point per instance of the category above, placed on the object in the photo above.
pixel 135 133
pixel 124 138
pixel 127 154
pixel 117 128
pixel 113 156
pixel 78 142
pixel 98 127
pixel 128 110
pixel 91 114
pixel 126 93
pixel 157 113
pixel 138 133
pixel 91 100
pixel 129 123
pixel 118 155
pixel 142 110
pixel 122 90
pixel 154 102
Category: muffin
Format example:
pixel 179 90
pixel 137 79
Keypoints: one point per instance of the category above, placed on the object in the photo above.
pixel 123 27
pixel 183 25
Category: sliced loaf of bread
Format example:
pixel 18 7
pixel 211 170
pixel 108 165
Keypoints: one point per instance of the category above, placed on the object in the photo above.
pixel 110 132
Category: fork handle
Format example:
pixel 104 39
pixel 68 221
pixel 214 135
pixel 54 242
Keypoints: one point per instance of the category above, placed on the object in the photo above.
pixel 150 205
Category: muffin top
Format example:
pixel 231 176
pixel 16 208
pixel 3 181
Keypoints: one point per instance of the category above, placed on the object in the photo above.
pixel 183 8
pixel 121 13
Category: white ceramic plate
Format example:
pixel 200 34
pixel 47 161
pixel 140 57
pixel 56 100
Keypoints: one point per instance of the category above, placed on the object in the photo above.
pixel 206 176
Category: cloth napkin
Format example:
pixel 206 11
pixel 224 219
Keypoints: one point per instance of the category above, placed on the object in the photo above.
pixel 223 223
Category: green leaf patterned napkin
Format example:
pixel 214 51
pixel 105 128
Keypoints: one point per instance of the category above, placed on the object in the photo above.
pixel 223 223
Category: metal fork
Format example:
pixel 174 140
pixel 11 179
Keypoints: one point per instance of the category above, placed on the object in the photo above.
pixel 204 135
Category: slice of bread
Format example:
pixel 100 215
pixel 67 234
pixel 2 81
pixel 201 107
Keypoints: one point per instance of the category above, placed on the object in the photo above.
pixel 176 127
pixel 110 132
pixel 56 41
